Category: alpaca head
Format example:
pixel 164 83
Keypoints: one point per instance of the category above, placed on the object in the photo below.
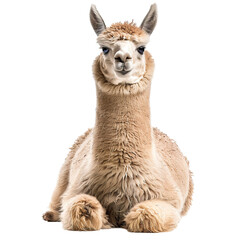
pixel 122 60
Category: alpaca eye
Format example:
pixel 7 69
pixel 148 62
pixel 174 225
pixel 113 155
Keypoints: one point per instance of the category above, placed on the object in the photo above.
pixel 105 50
pixel 141 50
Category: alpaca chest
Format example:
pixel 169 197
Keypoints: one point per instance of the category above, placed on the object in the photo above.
pixel 118 190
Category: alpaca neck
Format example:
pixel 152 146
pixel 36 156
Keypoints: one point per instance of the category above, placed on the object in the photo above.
pixel 122 132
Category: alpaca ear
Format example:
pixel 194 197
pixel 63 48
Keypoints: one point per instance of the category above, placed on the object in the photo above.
pixel 150 21
pixel 96 20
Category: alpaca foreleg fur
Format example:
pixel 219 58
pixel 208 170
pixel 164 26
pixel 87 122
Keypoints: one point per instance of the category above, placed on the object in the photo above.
pixel 83 212
pixel 152 216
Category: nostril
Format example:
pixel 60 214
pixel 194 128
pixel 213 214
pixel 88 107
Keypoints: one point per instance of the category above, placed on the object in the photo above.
pixel 128 58
pixel 118 59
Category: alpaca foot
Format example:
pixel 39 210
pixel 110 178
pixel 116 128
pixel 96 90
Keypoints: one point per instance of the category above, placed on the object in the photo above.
pixel 51 216
pixel 84 213
pixel 152 216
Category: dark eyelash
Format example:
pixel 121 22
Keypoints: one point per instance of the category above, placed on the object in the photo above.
pixel 141 49
pixel 105 50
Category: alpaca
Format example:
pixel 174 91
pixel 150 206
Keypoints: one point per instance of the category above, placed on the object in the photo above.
pixel 123 172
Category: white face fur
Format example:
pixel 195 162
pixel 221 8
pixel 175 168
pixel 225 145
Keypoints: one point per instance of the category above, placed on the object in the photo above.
pixel 123 61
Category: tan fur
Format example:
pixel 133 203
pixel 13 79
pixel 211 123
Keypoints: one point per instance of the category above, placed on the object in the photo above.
pixel 123 172
pixel 84 212
pixel 55 205
pixel 123 31
pixel 152 216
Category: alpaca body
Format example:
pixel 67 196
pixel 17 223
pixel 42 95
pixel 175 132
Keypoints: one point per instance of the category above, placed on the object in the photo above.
pixel 123 172
pixel 120 186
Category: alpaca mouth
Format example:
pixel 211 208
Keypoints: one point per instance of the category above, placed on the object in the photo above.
pixel 123 72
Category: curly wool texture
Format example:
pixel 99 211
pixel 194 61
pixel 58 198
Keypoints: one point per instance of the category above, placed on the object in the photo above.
pixel 122 31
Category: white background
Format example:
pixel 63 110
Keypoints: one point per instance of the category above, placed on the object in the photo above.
pixel 47 97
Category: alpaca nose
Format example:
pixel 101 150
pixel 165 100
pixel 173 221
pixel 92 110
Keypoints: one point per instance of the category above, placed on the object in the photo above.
pixel 122 57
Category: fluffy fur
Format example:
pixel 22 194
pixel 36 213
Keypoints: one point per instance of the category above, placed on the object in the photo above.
pixel 123 31
pixel 123 172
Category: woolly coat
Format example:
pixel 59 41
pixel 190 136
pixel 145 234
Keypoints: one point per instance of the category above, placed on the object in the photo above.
pixel 123 160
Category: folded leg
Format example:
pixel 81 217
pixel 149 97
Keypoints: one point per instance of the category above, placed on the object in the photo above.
pixel 83 212
pixel 152 216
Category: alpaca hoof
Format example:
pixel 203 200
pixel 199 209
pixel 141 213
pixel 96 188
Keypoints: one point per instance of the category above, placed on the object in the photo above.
pixel 84 213
pixel 51 216
pixel 144 218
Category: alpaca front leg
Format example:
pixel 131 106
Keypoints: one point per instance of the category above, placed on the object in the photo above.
pixel 84 213
pixel 152 216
